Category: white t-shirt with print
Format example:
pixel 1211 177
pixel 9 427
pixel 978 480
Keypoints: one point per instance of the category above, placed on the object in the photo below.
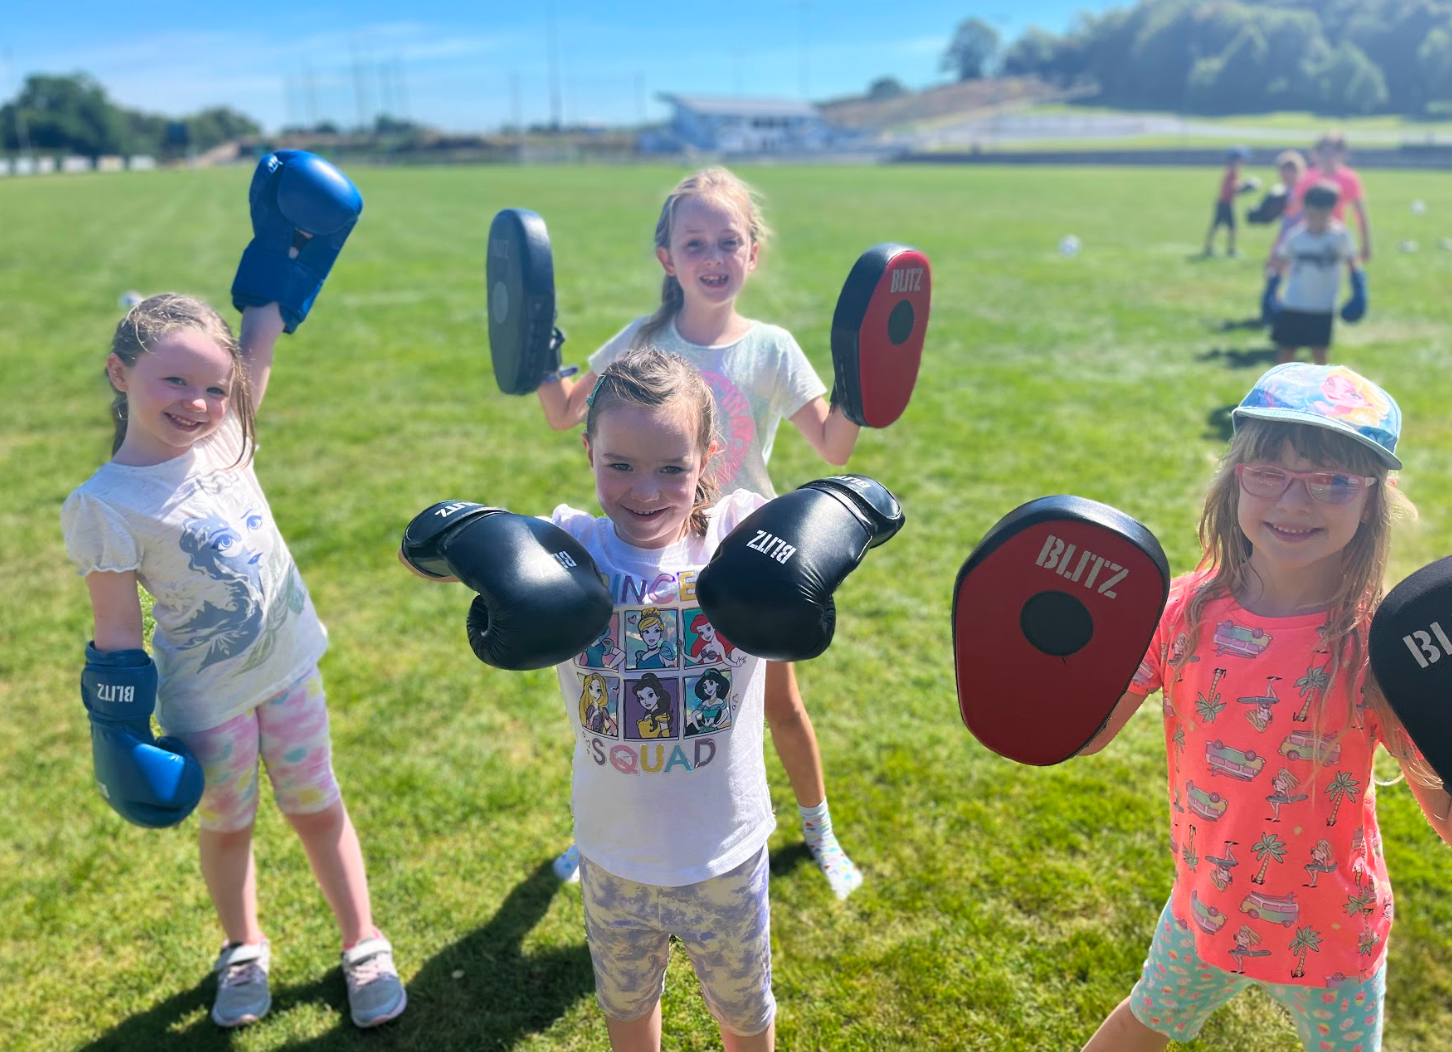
pixel 669 779
pixel 1316 264
pixel 234 622
pixel 758 380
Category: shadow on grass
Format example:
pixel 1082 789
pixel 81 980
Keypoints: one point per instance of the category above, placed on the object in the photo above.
pixel 502 997
pixel 1218 425
pixel 1238 358
pixel 1241 324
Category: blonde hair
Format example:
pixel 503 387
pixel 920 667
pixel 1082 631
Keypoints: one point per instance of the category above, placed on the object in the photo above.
pixel 651 379
pixel 152 320
pixel 712 184
pixel 585 694
pixel 1361 583
pixel 1293 159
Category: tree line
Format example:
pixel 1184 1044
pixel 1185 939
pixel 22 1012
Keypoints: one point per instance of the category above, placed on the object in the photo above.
pixel 72 115
pixel 1337 57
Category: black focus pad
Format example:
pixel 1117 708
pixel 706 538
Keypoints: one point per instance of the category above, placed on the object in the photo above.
pixel 1410 646
pixel 520 273
pixel 1052 614
pixel 877 333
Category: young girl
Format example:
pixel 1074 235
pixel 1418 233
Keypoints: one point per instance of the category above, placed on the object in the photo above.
pixel 1296 530
pixel 179 510
pixel 708 240
pixel 672 814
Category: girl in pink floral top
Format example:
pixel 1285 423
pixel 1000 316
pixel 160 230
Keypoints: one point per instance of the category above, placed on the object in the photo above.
pixel 1261 657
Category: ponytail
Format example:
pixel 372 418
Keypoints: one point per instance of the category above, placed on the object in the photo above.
pixel 672 299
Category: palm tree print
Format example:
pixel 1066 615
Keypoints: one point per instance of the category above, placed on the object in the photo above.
pixel 1267 848
pixel 1307 938
pixel 1366 944
pixel 1363 902
pixel 1341 787
pixel 1208 705
pixel 1179 740
pixel 1315 679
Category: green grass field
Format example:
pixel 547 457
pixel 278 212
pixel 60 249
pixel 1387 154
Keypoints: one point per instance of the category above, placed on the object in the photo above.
pixel 1005 908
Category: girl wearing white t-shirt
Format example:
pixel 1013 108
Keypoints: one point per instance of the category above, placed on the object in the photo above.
pixel 708 238
pixel 178 510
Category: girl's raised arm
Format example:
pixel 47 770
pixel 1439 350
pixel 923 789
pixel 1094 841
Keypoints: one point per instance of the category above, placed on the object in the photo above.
pixel 563 401
pixel 827 430
pixel 261 326
pixel 116 609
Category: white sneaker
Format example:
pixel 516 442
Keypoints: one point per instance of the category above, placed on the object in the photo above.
pixel 374 993
pixel 242 994
pixel 567 866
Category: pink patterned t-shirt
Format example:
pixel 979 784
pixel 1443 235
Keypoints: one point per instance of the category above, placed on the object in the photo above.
pixel 1279 871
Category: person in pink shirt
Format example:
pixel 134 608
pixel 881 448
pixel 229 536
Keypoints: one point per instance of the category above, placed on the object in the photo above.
pixel 1331 166
pixel 1261 656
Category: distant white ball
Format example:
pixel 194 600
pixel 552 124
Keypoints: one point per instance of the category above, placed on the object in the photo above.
pixel 1418 207
pixel 129 299
pixel 1069 246
pixel 1408 246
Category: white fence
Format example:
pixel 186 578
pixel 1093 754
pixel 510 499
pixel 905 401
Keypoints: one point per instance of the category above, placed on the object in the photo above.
pixel 45 165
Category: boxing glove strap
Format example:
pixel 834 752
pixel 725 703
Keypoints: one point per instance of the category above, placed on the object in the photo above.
pixel 118 686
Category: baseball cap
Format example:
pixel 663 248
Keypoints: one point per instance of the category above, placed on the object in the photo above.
pixel 1329 396
pixel 1237 153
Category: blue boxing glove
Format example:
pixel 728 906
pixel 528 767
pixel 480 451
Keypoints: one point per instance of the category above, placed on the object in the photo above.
pixel 1354 309
pixel 299 201
pixel 149 781
pixel 1270 304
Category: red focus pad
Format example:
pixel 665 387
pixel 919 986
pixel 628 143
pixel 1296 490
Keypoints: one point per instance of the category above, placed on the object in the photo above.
pixel 1052 614
pixel 877 333
pixel 1410 645
pixel 520 273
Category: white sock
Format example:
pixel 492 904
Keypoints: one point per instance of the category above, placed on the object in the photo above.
pixel 841 873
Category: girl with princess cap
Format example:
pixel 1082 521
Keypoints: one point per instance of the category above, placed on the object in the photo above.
pixel 708 240
pixel 178 509
pixel 1296 530
pixel 671 829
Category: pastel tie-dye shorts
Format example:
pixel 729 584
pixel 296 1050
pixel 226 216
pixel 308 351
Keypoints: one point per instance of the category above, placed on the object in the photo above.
pixel 289 731
pixel 724 923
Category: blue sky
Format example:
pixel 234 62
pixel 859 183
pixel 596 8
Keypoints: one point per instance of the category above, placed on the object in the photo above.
pixel 473 66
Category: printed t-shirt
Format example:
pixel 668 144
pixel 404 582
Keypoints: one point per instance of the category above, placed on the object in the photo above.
pixel 234 621
pixel 1279 872
pixel 669 780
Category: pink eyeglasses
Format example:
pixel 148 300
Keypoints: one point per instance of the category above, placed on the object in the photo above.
pixel 1269 481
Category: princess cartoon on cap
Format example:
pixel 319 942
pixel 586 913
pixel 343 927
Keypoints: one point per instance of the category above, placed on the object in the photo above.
pixel 1295 532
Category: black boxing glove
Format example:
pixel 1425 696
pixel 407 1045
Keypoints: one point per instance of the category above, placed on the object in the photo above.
pixel 541 597
pixel 768 587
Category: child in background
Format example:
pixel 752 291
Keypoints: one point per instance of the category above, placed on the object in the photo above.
pixel 1231 184
pixel 708 239
pixel 1296 530
pixel 178 508
pixel 1331 166
pixel 1310 258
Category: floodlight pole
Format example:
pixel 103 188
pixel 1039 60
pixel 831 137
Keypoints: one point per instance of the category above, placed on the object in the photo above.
pixel 22 136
